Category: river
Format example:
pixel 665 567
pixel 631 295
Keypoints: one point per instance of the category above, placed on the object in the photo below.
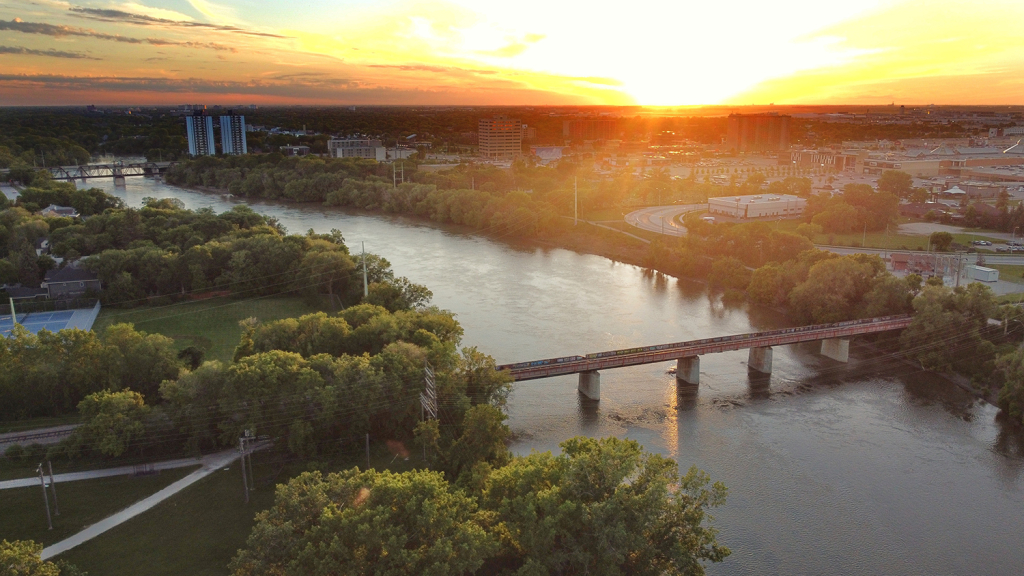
pixel 872 467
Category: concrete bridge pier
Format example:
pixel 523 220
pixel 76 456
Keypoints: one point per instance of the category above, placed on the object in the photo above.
pixel 688 371
pixel 836 348
pixel 590 384
pixel 760 359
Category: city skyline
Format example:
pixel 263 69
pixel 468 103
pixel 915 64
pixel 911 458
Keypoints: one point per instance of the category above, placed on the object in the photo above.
pixel 465 52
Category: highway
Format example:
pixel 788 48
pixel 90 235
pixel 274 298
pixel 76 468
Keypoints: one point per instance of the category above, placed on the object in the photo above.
pixel 665 220
pixel 662 219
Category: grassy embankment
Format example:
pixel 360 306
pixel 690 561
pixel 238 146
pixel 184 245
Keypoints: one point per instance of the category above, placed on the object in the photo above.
pixel 210 325
pixel 199 530
pixel 82 503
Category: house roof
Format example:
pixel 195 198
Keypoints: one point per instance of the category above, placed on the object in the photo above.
pixel 69 274
pixel 62 210
pixel 19 292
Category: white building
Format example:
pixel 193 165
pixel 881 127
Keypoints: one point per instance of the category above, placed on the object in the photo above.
pixel 758 206
pixel 199 128
pixel 357 148
pixel 232 134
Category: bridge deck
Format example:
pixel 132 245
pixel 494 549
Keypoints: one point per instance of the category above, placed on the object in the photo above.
pixel 667 352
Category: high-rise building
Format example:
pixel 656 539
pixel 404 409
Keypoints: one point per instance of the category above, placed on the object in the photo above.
pixel 500 138
pixel 199 127
pixel 232 134
pixel 757 132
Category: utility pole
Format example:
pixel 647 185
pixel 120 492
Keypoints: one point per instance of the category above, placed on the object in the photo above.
pixel 245 481
pixel 53 488
pixel 14 317
pixel 245 447
pixel 428 398
pixel 575 203
pixel 46 499
pixel 864 237
pixel 394 179
pixel 367 450
pixel 366 290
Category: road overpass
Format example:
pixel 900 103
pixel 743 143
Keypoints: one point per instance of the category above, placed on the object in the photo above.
pixel 835 344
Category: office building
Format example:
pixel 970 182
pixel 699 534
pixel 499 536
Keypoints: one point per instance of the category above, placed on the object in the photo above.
pixel 757 206
pixel 199 128
pixel 500 138
pixel 232 134
pixel 757 132
pixel 357 148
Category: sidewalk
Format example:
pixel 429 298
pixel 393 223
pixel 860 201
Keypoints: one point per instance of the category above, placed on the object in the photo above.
pixel 119 471
pixel 211 463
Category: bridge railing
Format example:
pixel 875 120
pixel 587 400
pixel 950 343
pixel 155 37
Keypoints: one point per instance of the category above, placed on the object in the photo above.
pixel 638 355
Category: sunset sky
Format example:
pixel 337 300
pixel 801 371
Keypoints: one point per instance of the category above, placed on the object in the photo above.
pixel 517 52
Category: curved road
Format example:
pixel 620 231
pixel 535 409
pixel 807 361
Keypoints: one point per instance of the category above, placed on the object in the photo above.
pixel 662 219
pixel 665 220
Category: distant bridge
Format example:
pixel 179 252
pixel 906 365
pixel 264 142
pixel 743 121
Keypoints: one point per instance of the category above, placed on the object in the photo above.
pixel 115 170
pixel 835 344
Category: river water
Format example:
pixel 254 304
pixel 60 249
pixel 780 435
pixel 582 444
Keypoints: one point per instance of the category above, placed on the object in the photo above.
pixel 871 467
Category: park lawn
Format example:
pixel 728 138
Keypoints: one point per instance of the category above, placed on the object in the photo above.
pixel 881 240
pixel 199 530
pixel 82 503
pixel 210 325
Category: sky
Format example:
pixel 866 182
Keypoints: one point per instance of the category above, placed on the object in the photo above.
pixel 526 52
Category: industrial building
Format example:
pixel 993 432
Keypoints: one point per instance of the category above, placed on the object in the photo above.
pixel 500 138
pixel 757 132
pixel 199 128
pixel 232 134
pixel 757 206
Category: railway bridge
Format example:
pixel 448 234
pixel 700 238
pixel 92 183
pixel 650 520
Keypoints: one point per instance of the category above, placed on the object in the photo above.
pixel 835 344
pixel 116 170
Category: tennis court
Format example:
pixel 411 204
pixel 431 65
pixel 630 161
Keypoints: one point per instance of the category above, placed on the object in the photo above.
pixel 82 318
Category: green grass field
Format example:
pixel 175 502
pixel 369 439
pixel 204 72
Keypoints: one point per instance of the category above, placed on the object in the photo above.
pixel 210 325
pixel 1009 273
pixel 199 530
pixel 82 503
pixel 34 423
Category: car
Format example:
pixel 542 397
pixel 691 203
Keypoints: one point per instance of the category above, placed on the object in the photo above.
pixel 985 243
pixel 1002 249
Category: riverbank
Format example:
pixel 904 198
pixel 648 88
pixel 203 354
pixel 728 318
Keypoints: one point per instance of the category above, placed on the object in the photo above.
pixel 583 239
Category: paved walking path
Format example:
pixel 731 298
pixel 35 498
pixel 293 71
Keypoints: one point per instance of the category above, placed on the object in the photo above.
pixel 119 471
pixel 210 463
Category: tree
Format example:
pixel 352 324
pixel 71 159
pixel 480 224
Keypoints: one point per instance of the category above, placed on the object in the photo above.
pixel 372 523
pixel 833 289
pixel 896 182
pixel 602 507
pixel 767 285
pixel 110 421
pixel 946 332
pixel 729 274
pixel 941 241
pixel 1011 396
pixel 23 558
